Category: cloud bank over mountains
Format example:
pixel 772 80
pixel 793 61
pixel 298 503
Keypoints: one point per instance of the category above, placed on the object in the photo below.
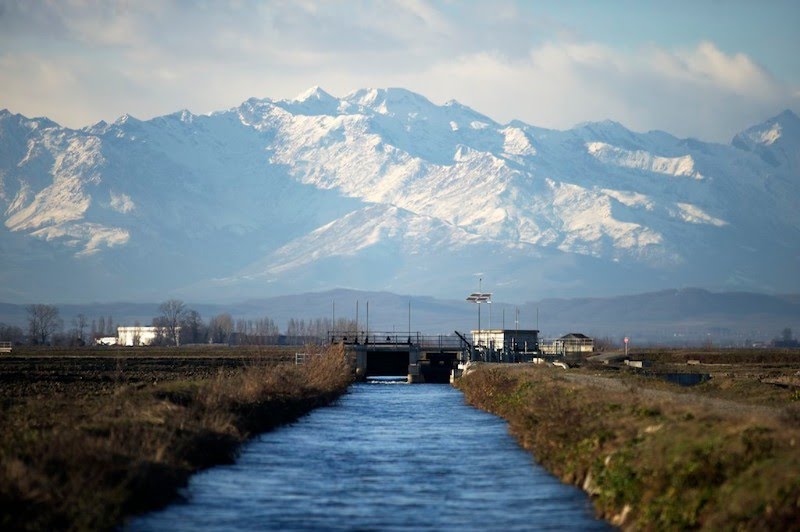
pixel 77 63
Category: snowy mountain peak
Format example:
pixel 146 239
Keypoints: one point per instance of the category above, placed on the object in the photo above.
pixel 186 116
pixel 391 101
pixel 607 130
pixel 253 101
pixel 315 93
pixel 18 120
pixel 126 119
pixel 312 102
pixel 776 140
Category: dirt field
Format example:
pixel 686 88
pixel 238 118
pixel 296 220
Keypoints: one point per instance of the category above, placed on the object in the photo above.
pixel 30 372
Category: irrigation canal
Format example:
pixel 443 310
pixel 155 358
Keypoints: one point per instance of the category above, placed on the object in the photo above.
pixel 387 456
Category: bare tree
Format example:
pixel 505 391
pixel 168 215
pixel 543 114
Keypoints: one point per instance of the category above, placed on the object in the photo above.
pixel 10 333
pixel 80 322
pixel 172 314
pixel 220 327
pixel 161 337
pixel 193 329
pixel 42 322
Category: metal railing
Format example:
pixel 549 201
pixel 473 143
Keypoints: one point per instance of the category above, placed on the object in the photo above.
pixel 5 347
pixel 398 339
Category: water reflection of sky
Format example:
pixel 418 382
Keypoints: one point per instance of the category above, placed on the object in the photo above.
pixel 386 457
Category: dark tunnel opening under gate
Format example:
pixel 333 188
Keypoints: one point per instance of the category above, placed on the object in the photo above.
pixel 387 363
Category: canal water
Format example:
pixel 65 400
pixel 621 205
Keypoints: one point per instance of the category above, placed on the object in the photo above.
pixel 386 456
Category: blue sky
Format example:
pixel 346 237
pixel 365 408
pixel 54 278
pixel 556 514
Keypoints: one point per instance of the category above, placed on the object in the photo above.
pixel 704 69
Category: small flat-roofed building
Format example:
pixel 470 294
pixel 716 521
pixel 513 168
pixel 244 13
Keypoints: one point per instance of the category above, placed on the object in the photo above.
pixel 131 336
pixel 517 340
pixel 106 340
pixel 574 344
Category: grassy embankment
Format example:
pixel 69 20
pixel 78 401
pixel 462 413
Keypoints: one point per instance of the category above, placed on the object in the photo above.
pixel 87 441
pixel 654 455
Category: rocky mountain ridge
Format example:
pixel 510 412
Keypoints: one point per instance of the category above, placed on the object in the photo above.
pixel 382 189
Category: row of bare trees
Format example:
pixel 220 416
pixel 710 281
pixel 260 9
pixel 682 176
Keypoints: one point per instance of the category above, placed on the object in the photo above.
pixel 177 324
pixel 46 327
pixel 181 325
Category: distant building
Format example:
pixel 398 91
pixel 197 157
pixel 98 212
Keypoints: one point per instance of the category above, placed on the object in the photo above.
pixel 517 340
pixel 569 345
pixel 131 336
pixel 574 344
pixel 106 340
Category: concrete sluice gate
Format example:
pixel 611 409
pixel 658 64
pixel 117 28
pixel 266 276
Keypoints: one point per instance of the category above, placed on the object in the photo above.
pixel 418 367
pixel 420 358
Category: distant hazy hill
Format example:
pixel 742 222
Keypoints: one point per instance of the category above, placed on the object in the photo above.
pixel 384 190
pixel 672 316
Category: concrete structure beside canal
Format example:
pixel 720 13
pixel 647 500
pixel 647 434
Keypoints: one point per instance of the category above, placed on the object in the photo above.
pixel 425 358
pixel 419 358
pixel 507 341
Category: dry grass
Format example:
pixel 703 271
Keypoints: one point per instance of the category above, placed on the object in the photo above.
pixel 85 457
pixel 652 460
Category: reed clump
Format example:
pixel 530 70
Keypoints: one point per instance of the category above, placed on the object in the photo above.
pixel 87 457
pixel 649 462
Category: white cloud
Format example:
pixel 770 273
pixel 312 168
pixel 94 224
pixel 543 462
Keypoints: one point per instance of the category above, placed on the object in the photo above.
pixel 78 62
pixel 698 92
pixel 122 203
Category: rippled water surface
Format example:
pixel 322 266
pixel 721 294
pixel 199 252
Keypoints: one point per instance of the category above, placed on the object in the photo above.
pixel 387 456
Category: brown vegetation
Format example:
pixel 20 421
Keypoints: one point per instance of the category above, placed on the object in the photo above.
pixel 88 441
pixel 654 457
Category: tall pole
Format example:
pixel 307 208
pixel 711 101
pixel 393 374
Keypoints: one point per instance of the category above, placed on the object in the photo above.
pixel 480 290
pixel 409 318
pixel 356 320
pixel 367 340
pixel 333 318
pixel 479 322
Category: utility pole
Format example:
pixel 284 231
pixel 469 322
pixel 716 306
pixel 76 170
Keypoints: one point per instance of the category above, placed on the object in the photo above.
pixel 478 298
pixel 480 290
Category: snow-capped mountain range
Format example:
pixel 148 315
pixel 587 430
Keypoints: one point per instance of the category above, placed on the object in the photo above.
pixel 384 190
